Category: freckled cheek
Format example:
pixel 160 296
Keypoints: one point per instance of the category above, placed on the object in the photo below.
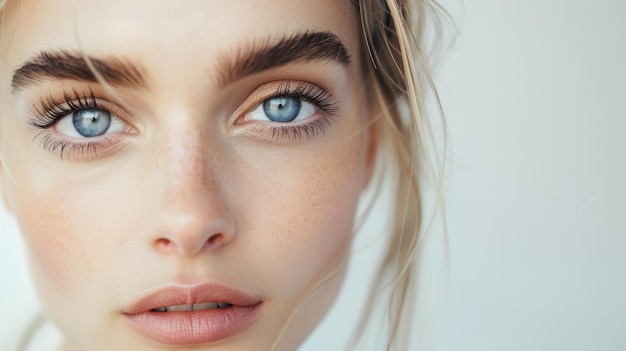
pixel 64 234
pixel 309 213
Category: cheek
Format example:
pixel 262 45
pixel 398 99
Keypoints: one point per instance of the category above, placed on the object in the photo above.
pixel 72 235
pixel 51 235
pixel 68 232
pixel 61 264
pixel 305 217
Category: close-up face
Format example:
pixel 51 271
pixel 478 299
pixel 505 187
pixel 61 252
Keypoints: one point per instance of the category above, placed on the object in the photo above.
pixel 203 196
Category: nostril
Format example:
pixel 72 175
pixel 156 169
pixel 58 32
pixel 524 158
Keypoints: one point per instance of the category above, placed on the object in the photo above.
pixel 183 246
pixel 162 242
pixel 189 235
pixel 216 240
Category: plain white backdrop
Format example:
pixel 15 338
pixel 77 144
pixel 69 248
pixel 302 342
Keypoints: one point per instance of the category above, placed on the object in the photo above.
pixel 535 98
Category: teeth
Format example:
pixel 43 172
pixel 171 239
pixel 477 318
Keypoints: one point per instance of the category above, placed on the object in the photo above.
pixel 206 306
pixel 195 307
pixel 179 308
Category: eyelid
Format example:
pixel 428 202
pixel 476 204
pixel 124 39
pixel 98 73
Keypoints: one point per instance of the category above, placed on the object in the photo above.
pixel 50 111
pixel 47 112
pixel 281 88
pixel 283 133
pixel 66 127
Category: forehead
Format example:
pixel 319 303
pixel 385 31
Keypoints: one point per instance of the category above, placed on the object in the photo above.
pixel 161 29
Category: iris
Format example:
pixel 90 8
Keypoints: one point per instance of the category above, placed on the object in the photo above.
pixel 282 108
pixel 91 122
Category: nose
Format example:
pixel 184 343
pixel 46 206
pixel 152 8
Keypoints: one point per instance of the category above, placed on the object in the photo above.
pixel 190 214
pixel 186 230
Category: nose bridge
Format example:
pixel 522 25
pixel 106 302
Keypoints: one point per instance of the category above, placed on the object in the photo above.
pixel 190 213
pixel 189 162
pixel 184 164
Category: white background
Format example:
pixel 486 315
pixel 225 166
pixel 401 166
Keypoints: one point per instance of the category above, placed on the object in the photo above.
pixel 535 98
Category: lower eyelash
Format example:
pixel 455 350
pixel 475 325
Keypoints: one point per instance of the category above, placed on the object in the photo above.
pixel 285 134
pixel 65 148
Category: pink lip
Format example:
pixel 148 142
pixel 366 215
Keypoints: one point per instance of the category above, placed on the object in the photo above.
pixel 192 327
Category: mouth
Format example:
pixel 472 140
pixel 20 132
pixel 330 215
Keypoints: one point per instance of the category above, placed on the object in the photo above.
pixel 182 315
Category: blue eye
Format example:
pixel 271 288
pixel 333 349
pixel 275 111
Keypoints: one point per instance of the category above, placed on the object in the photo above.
pixel 282 108
pixel 89 123
pixel 92 122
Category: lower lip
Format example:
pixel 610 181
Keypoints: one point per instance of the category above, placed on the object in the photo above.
pixel 193 327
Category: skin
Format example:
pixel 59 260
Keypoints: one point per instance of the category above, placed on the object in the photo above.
pixel 189 192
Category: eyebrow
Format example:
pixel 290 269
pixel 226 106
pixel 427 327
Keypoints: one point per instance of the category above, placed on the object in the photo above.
pixel 307 46
pixel 71 65
pixel 63 64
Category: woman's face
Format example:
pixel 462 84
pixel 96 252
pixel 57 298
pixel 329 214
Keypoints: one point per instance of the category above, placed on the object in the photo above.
pixel 215 178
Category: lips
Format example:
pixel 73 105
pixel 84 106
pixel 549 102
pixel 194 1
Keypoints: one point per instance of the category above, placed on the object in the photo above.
pixel 182 315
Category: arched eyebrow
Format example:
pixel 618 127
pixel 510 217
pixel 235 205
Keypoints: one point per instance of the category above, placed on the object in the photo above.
pixel 64 64
pixel 72 65
pixel 307 46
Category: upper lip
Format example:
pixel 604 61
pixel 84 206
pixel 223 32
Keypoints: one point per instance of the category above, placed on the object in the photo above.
pixel 176 294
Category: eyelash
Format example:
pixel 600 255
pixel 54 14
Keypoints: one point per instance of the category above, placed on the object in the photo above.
pixel 51 112
pixel 66 148
pixel 306 92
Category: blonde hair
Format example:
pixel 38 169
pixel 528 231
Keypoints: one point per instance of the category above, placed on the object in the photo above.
pixel 400 39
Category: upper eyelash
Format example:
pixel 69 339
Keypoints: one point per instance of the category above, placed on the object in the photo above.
pixel 51 111
pixel 308 92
